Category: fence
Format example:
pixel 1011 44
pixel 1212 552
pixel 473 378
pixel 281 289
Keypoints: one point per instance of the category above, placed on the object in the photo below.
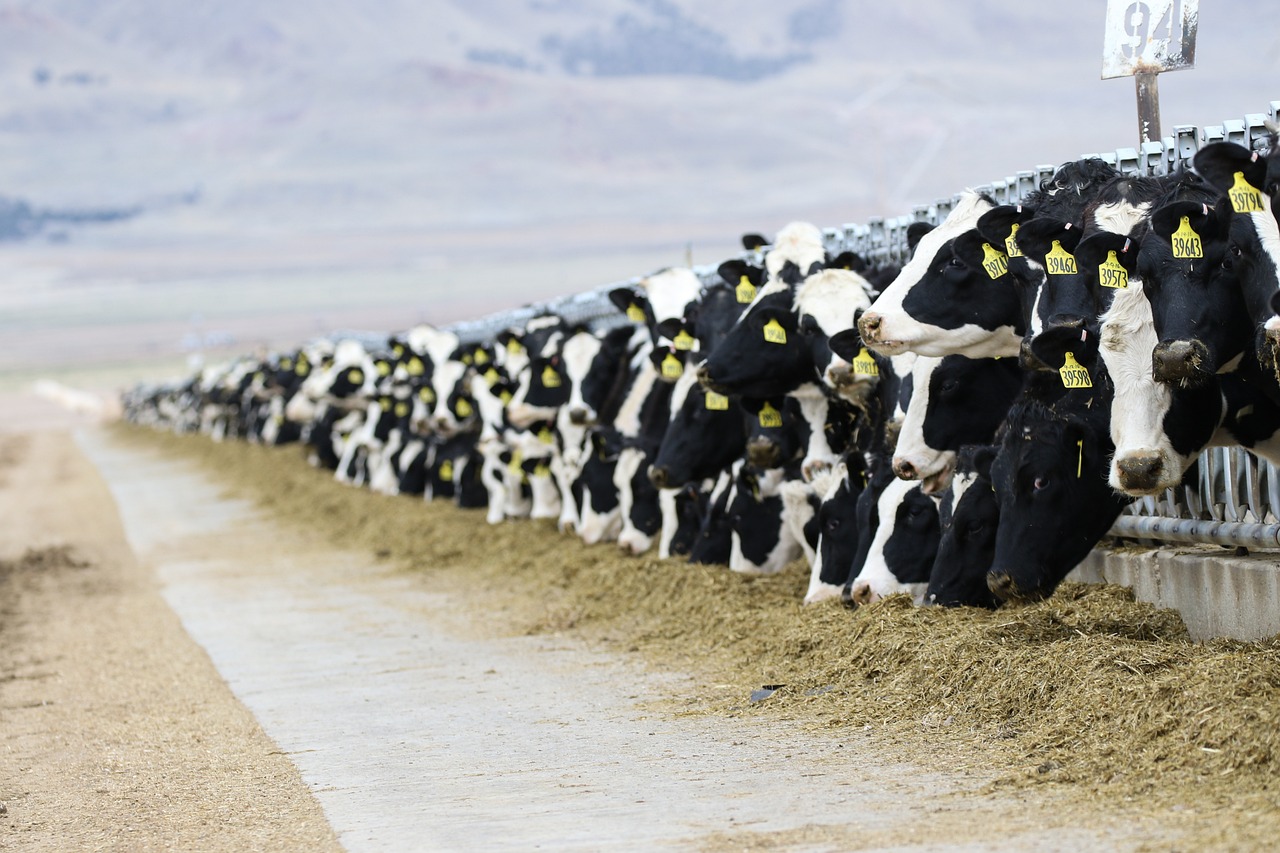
pixel 1233 499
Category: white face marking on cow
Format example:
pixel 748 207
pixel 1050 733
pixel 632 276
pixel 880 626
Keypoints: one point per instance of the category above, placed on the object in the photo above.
pixel 826 485
pixel 578 353
pixel 1268 230
pixel 797 510
pixel 670 520
pixel 444 379
pixel 875 571
pixel 1138 411
pixel 629 538
pixel 670 291
pixel 1120 217
pixel 931 466
pixel 680 392
pixel 597 527
pixel 784 550
pixel 627 421
pixel 798 242
pixel 898 331
pixel 814 405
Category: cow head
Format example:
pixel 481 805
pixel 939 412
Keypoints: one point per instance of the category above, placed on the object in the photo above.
pixel 918 311
pixel 1187 272
pixel 970 516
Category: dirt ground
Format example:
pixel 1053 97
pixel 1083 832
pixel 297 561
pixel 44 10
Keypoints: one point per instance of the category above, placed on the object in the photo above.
pixel 118 732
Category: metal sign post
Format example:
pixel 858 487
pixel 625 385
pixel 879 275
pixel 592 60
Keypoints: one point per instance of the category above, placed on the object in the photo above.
pixel 1143 38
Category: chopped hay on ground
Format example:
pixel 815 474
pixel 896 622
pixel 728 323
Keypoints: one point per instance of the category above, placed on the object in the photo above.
pixel 1089 690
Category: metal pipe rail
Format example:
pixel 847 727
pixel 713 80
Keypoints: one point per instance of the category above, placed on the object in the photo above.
pixel 1234 499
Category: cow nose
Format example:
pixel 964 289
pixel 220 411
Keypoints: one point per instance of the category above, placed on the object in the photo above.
pixel 904 470
pixel 1027 359
pixel 763 453
pixel 1179 362
pixel 1140 471
pixel 578 416
pixel 704 375
pixel 1001 585
pixel 861 594
pixel 658 476
pixel 869 326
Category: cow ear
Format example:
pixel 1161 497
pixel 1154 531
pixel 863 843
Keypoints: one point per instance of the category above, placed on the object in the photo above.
pixel 734 270
pixel 630 302
pixel 848 261
pixel 846 344
pixel 1166 221
pixel 671 327
pixel 1052 345
pixel 997 224
pixel 1219 162
pixel 980 254
pixel 980 458
pixel 752 242
pixel 915 232
pixel 1095 250
pixel 1036 237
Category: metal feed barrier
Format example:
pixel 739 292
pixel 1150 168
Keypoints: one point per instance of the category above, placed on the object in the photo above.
pixel 1233 499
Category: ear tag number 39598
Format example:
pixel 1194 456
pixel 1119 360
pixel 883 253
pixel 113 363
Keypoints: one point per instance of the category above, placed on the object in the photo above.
pixel 1073 374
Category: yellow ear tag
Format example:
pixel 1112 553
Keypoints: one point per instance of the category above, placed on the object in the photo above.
pixel 491 377
pixel 384 369
pixel 1186 242
pixel 1112 274
pixel 774 333
pixel 514 465
pixel 415 367
pixel 302 368
pixel 446 469
pixel 515 347
pixel 717 402
pixel 683 341
pixel 635 313
pixel 505 397
pixel 1059 261
pixel 482 357
pixel 745 291
pixel 385 403
pixel 1073 375
pixel 426 395
pixel 994 261
pixel 1011 243
pixel 356 376
pixel 550 379
pixel 770 417
pixel 467 359
pixel 546 436
pixel 864 364
pixel 463 408
pixel 402 409
pixel 397 350
pixel 259 376
pixel 672 367
pixel 286 364
pixel 1079 457
pixel 541 470
pixel 1245 197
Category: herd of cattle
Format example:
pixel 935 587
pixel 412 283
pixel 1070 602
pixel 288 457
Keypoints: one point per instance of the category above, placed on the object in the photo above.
pixel 964 428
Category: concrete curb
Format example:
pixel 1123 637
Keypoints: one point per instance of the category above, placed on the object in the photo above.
pixel 1217 593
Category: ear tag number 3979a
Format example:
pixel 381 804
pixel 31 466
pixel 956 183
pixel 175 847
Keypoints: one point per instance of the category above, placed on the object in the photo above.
pixel 774 333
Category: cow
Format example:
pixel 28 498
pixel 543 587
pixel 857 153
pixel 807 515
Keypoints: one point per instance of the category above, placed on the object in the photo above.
pixel 955 400
pixel 837 527
pixel 969 512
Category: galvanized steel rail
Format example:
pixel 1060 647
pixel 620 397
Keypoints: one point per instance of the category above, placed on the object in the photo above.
pixel 1234 500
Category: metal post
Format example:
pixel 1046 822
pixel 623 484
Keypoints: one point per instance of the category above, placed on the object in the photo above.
pixel 1148 106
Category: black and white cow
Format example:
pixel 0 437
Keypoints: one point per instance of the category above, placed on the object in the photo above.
pixel 970 517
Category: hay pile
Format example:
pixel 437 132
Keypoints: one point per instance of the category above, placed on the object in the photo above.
pixel 1088 689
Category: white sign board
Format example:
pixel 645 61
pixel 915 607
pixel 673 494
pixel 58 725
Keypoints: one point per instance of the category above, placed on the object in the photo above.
pixel 1149 36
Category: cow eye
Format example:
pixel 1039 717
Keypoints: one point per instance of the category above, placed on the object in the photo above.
pixel 833 523
pixel 949 386
pixel 956 264
pixel 1040 484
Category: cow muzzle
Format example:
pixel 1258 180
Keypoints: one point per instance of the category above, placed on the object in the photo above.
pixel 659 476
pixel 1140 473
pixel 580 416
pixel 1005 588
pixel 763 453
pixel 1181 363
pixel 705 380
pixel 859 594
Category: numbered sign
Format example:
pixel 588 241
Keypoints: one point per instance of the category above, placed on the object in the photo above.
pixel 1146 36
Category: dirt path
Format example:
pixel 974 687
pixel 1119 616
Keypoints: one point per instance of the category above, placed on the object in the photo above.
pixel 118 732
pixel 415 724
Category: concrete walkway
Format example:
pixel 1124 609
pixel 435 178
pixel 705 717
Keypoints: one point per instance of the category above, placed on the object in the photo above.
pixel 414 734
